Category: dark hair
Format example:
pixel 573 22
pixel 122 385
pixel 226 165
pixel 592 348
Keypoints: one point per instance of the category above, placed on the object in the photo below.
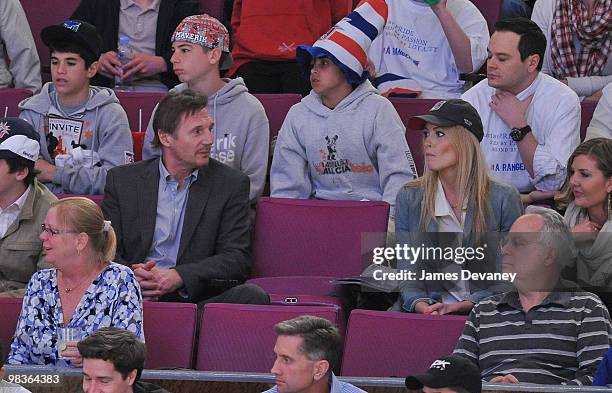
pixel 2 360
pixel 172 108
pixel 18 163
pixel 119 346
pixel 532 40
pixel 320 338
pixel 70 47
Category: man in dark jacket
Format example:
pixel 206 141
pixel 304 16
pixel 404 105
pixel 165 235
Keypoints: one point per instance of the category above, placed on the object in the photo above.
pixel 149 25
pixel 113 359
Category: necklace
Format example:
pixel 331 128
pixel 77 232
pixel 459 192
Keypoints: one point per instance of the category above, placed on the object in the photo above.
pixel 68 290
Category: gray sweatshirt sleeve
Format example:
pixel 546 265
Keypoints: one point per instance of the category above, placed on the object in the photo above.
pixel 15 34
pixel 254 160
pixel 395 163
pixel 289 176
pixel 112 142
pixel 149 151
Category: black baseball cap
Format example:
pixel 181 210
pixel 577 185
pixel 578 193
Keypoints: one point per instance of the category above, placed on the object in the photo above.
pixel 448 372
pixel 74 31
pixel 450 113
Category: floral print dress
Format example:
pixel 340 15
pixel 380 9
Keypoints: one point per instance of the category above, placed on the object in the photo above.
pixel 112 299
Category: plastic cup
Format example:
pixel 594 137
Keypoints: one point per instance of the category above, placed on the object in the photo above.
pixel 66 335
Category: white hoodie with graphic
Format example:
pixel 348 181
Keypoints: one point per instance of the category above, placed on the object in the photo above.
pixel 356 151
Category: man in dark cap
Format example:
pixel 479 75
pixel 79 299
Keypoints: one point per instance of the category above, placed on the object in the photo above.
pixel 450 374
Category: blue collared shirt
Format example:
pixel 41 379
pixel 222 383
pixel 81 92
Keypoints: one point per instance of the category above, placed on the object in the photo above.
pixel 337 386
pixel 171 204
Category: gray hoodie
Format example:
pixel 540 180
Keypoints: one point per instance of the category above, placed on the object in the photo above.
pixel 355 151
pixel 99 126
pixel 241 132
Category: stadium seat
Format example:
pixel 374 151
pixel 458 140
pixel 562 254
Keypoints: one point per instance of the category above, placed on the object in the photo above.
pixel 213 8
pixel 44 13
pixel 139 107
pixel 276 107
pixel 408 107
pixel 295 237
pixel 491 10
pixel 587 109
pixel 138 139
pixel 240 337
pixel 9 310
pixel 9 99
pixel 96 198
pixel 394 344
pixel 170 334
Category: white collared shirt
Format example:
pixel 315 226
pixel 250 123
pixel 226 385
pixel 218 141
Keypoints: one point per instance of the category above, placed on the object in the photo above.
pixel 448 222
pixel 445 216
pixel 11 212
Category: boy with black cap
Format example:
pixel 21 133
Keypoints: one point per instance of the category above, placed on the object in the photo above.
pixel 240 127
pixel 23 206
pixel 450 374
pixel 343 141
pixel 83 130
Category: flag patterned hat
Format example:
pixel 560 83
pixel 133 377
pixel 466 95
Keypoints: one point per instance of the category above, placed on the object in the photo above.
pixel 347 43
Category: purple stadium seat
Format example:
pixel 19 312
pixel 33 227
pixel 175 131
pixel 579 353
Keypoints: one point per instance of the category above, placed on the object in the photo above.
pixel 587 109
pixel 394 344
pixel 9 310
pixel 213 8
pixel 491 10
pixel 296 237
pixel 96 198
pixel 9 99
pixel 170 334
pixel 228 330
pixel 139 107
pixel 277 106
pixel 408 107
pixel 44 13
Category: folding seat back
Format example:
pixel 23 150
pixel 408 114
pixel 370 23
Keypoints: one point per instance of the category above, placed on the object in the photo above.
pixel 9 99
pixel 10 308
pixel 213 8
pixel 239 337
pixel 587 109
pixel 44 13
pixel 295 237
pixel 170 334
pixel 406 108
pixel 491 10
pixel 139 107
pixel 393 344
pixel 276 107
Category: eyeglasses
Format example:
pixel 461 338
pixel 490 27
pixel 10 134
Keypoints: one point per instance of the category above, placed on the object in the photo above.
pixel 55 232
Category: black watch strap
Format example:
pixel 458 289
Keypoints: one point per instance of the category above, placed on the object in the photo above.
pixel 517 134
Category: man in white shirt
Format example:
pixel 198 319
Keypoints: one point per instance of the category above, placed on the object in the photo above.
pixel 531 120
pixel 424 48
pixel 23 205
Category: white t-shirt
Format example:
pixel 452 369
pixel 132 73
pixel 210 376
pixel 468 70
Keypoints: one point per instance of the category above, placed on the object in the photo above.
pixel 554 117
pixel 413 51
pixel 543 12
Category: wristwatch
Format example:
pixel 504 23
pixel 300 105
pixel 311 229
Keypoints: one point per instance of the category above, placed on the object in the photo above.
pixel 517 134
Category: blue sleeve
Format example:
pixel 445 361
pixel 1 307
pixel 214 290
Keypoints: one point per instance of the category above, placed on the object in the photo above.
pixel 603 376
pixel 128 309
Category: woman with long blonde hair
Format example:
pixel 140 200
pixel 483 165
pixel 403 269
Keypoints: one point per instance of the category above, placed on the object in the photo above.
pixel 455 194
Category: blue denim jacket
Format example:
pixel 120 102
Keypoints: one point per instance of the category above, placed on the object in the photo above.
pixel 504 207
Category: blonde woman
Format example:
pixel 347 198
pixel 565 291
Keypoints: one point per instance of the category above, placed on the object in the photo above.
pixel 83 289
pixel 454 195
